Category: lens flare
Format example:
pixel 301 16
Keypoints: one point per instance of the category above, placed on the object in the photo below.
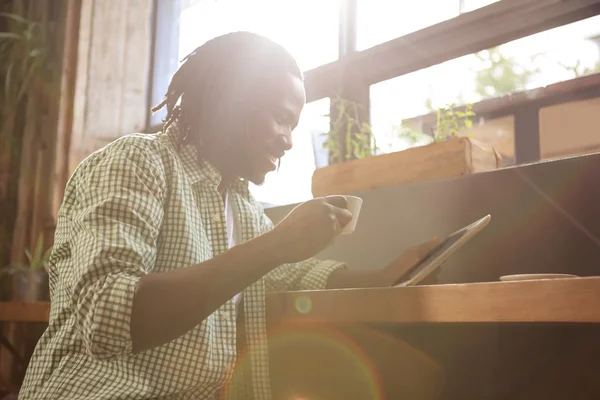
pixel 303 304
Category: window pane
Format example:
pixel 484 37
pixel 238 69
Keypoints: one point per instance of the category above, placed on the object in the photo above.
pixel 292 183
pixel 535 61
pixel 307 28
pixel 380 21
pixel 470 5
pixel 383 20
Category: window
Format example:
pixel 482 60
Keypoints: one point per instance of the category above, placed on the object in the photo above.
pixel 382 20
pixel 307 28
pixel 472 5
pixel 402 108
pixel 532 62
pixel 292 182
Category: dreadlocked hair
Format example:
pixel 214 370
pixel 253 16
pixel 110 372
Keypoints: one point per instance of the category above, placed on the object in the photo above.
pixel 215 79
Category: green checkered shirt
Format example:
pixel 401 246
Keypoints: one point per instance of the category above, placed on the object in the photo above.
pixel 141 205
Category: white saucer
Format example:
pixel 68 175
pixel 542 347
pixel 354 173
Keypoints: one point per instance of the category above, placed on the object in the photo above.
pixel 533 277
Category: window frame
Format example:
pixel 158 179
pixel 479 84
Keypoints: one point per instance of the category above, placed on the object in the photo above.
pixel 351 76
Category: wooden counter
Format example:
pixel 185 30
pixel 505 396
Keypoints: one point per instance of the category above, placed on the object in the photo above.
pixel 560 300
pixel 574 300
pixel 496 340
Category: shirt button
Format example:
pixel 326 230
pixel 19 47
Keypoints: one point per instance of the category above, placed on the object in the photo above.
pixel 216 217
pixel 225 315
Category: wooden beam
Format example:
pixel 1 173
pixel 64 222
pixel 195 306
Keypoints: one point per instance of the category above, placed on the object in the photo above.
pixel 348 27
pixel 527 134
pixel 478 30
pixel 66 104
pixel 581 88
pixel 558 301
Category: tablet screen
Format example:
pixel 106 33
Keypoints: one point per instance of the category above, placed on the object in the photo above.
pixel 438 255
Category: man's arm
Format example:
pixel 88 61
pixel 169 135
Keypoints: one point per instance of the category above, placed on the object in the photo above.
pixel 122 305
pixel 167 305
pixel 385 277
pixel 314 274
pixel 311 274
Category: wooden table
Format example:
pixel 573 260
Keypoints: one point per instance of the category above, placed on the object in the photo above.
pixel 558 301
pixel 514 340
pixel 486 338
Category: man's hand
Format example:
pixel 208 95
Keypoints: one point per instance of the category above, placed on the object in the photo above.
pixel 309 228
pixel 407 261
pixel 388 276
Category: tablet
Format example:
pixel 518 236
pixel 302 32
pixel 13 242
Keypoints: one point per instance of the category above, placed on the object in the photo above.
pixel 442 252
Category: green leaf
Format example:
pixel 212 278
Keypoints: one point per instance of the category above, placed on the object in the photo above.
pixel 36 53
pixel 15 17
pixel 9 35
pixel 8 82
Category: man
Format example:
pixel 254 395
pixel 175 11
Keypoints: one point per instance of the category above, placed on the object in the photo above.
pixel 160 246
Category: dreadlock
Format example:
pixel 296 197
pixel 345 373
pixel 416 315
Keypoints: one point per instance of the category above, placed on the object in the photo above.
pixel 214 80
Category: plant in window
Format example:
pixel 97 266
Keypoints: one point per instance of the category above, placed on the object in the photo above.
pixel 410 135
pixel 415 164
pixel 450 122
pixel 348 138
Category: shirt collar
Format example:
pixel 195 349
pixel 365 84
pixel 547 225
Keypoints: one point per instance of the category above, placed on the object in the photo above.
pixel 203 172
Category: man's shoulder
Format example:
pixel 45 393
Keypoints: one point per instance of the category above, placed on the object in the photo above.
pixel 134 143
pixel 144 149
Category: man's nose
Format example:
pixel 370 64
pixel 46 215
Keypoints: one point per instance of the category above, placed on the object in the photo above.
pixel 287 141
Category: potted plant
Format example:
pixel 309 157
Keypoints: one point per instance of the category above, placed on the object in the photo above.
pixel 452 152
pixel 27 76
pixel 28 282
pixel 349 138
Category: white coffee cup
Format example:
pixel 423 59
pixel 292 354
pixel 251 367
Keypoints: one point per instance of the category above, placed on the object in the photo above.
pixel 354 205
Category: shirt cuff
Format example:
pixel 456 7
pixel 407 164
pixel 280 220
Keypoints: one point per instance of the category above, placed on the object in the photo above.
pixel 111 326
pixel 317 277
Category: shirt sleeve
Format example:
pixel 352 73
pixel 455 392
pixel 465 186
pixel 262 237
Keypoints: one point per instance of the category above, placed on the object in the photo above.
pixel 116 226
pixel 311 274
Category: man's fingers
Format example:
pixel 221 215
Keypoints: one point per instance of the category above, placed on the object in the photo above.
pixel 337 201
pixel 342 215
pixel 426 248
pixel 339 206
pixel 419 252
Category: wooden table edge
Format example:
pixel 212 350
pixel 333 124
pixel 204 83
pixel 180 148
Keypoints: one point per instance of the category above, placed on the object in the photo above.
pixel 574 300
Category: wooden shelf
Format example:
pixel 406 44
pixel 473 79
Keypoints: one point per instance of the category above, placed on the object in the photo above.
pixel 560 301
pixel 24 312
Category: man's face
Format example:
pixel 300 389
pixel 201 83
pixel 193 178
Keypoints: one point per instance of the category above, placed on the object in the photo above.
pixel 267 129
